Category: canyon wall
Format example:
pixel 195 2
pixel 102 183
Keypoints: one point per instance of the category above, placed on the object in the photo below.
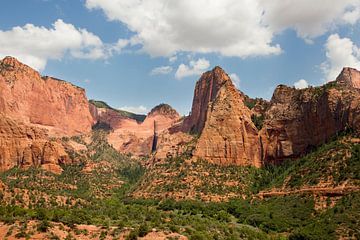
pixel 55 105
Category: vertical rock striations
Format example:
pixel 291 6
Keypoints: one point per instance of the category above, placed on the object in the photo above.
pixel 227 133
pixel 205 92
pixel 299 120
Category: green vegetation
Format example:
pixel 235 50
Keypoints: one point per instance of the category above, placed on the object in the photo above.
pixel 164 109
pixel 250 104
pixel 101 104
pixel 258 120
pixel 104 195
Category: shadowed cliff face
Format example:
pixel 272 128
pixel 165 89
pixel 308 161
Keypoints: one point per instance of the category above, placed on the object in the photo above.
pixel 205 92
pixel 56 105
pixel 299 120
pixel 131 136
pixel 227 135
pixel 296 121
pixel 32 108
pixel 24 146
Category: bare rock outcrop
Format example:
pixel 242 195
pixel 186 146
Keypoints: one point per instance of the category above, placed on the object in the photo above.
pixel 131 136
pixel 229 136
pixel 46 102
pixel 206 90
pixel 23 146
pixel 349 77
pixel 299 120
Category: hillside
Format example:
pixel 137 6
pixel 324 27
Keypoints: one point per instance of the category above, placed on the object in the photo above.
pixel 101 104
pixel 82 195
pixel 235 168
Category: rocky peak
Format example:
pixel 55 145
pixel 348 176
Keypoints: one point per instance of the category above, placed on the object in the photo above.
pixel 229 137
pixel 11 62
pixel 282 94
pixel 350 77
pixel 164 109
pixel 205 92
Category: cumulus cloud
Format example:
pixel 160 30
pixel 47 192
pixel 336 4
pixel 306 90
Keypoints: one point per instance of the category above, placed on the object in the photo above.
pixel 309 18
pixel 340 52
pixel 161 70
pixel 236 26
pixel 240 28
pixel 135 109
pixel 235 79
pixel 301 84
pixel 35 45
pixel 194 68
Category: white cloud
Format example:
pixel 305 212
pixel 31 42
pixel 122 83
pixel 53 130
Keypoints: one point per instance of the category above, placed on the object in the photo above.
pixel 235 79
pixel 173 59
pixel 240 28
pixel 194 68
pixel 340 52
pixel 135 109
pixel 310 18
pixel 161 70
pixel 35 45
pixel 301 84
pixel 164 28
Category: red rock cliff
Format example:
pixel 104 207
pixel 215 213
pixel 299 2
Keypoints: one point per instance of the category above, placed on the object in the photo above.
pixel 23 146
pixel 299 120
pixel 228 136
pixel 349 77
pixel 56 105
pixel 205 92
pixel 130 136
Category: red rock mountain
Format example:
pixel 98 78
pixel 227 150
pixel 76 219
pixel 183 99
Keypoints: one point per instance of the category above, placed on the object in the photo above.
pixel 56 105
pixel 32 108
pixel 22 145
pixel 299 120
pixel 295 120
pixel 349 77
pixel 228 137
pixel 223 119
pixel 132 133
pixel 206 90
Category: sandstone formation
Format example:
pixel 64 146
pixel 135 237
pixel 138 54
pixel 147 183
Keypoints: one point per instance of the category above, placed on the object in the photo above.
pixel 349 77
pixel 299 120
pixel 46 102
pixel 296 121
pixel 206 90
pixel 229 136
pixel 24 146
pixel 114 118
pixel 131 136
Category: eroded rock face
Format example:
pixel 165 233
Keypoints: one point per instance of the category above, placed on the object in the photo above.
pixel 24 146
pixel 296 121
pixel 55 105
pixel 206 90
pixel 130 136
pixel 229 136
pixel 349 77
pixel 299 120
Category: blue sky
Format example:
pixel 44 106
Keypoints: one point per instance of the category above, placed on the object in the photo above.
pixel 137 54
